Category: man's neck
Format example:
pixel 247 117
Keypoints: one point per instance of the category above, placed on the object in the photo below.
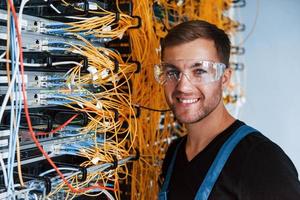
pixel 200 134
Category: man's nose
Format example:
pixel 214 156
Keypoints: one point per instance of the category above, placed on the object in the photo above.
pixel 184 82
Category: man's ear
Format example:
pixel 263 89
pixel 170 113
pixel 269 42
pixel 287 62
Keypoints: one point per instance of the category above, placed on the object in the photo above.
pixel 226 77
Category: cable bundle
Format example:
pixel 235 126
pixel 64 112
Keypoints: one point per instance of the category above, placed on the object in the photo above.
pixel 156 130
pixel 103 94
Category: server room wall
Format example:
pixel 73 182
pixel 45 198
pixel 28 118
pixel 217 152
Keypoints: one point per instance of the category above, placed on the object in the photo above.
pixel 273 69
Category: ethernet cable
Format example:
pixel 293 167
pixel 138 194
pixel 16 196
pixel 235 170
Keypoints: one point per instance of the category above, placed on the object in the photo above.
pixel 8 44
pixel 15 116
pixel 11 145
pixel 23 3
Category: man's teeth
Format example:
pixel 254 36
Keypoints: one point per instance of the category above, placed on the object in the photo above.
pixel 187 100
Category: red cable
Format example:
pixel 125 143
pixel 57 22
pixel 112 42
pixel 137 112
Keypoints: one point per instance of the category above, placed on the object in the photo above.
pixel 59 127
pixel 28 117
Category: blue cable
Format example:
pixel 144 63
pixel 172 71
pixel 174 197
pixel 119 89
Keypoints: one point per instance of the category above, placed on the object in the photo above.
pixel 12 141
pixel 57 25
pixel 56 31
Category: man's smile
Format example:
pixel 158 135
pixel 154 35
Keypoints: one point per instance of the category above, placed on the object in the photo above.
pixel 187 100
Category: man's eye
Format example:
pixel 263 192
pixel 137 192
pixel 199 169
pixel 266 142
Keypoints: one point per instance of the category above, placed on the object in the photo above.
pixel 199 72
pixel 172 73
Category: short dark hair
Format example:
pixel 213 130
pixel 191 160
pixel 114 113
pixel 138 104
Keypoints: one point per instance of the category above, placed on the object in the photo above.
pixel 192 30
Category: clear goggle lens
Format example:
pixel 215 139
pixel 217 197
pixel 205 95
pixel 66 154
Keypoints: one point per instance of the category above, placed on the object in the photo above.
pixel 198 72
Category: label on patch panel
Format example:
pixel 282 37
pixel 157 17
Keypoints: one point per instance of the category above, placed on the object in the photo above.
pixel 4 143
pixel 4 133
pixel 4 154
pixel 3 79
pixel 4 138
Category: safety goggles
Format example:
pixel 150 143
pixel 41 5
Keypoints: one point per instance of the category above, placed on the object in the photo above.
pixel 197 72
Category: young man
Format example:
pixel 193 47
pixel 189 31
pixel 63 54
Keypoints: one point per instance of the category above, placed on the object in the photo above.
pixel 220 158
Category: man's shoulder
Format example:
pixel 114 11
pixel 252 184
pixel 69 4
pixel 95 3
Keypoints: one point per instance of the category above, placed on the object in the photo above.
pixel 255 142
pixel 261 164
pixel 257 155
pixel 257 146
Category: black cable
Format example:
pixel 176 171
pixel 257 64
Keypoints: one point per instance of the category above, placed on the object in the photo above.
pixel 152 109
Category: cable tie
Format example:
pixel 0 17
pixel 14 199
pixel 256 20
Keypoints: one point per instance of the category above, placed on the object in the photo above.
pixel 116 117
pixel 137 155
pixel 138 66
pixel 85 64
pixel 139 24
pixel 115 163
pixel 48 60
pixel 116 69
pixel 86 8
pixel 117 18
pixel 138 112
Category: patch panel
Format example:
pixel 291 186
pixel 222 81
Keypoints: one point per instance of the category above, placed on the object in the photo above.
pixel 65 104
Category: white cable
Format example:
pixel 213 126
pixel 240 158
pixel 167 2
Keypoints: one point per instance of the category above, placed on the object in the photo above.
pixel 80 18
pixel 2 55
pixel 60 168
pixel 55 9
pixel 23 3
pixel 5 100
pixel 8 177
pixel 45 64
pixel 110 197
pixel 103 191
pixel 3 170
pixel 66 63
pixel 14 116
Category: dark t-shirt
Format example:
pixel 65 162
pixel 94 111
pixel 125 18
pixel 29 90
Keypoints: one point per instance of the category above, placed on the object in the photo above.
pixel 257 169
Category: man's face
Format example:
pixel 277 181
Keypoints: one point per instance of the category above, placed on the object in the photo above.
pixel 192 101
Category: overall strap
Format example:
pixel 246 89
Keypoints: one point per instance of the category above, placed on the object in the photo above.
pixel 220 160
pixel 170 169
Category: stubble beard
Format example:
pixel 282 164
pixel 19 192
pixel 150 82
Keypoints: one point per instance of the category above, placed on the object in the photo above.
pixel 202 112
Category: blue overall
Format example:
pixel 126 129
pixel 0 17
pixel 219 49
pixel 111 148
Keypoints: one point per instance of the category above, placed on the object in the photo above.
pixel 216 167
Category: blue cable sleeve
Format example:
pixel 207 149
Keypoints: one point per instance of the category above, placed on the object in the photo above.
pixel 56 25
